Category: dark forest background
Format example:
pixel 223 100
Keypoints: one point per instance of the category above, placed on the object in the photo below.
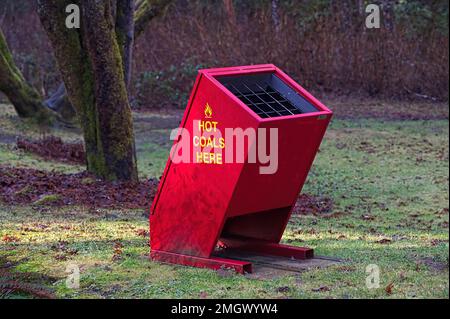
pixel 321 43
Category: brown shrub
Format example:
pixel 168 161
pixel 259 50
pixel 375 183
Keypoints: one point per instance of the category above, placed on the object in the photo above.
pixel 327 49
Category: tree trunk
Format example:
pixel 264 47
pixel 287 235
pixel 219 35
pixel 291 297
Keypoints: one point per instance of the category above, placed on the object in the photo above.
pixel 146 10
pixel 128 26
pixel 276 15
pixel 59 102
pixel 231 13
pixel 111 97
pixel 92 69
pixel 25 99
pixel 125 35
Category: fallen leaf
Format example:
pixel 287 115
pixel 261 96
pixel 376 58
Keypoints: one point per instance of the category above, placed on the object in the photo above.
pixel 384 241
pixel 10 239
pixel 117 248
pixel 389 288
pixel 60 257
pixel 142 233
pixel 435 242
pixel 321 289
pixel 283 289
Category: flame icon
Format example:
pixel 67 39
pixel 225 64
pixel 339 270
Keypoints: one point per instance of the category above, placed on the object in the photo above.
pixel 208 111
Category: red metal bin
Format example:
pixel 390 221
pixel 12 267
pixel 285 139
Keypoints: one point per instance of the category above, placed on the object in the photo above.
pixel 212 199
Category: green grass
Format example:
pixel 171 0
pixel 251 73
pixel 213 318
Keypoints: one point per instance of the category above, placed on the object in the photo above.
pixel 388 180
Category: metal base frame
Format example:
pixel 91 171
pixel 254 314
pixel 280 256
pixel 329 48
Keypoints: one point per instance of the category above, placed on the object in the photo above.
pixel 273 249
pixel 241 267
pixel 214 263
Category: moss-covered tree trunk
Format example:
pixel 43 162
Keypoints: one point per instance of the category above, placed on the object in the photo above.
pixel 125 35
pixel 91 65
pixel 146 10
pixel 131 19
pixel 113 109
pixel 25 99
pixel 60 103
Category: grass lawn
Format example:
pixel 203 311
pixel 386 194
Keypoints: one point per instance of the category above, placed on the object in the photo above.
pixel 388 180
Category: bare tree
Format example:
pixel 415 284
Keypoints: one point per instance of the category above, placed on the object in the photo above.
pixel 125 35
pixel 229 9
pixel 276 15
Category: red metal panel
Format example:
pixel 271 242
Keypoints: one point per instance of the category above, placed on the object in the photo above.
pixel 191 206
pixel 299 139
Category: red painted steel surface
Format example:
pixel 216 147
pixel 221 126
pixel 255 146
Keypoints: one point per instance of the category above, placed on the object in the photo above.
pixel 198 204
pixel 241 267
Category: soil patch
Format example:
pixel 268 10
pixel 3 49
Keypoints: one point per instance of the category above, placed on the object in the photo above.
pixel 53 148
pixel 433 265
pixel 43 188
pixel 313 205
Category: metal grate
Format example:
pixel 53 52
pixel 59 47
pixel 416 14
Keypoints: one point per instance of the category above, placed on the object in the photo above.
pixel 267 95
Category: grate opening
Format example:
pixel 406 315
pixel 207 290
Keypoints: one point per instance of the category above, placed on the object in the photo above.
pixel 267 95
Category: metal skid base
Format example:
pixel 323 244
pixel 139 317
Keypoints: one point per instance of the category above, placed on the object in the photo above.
pixel 215 263
pixel 239 266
